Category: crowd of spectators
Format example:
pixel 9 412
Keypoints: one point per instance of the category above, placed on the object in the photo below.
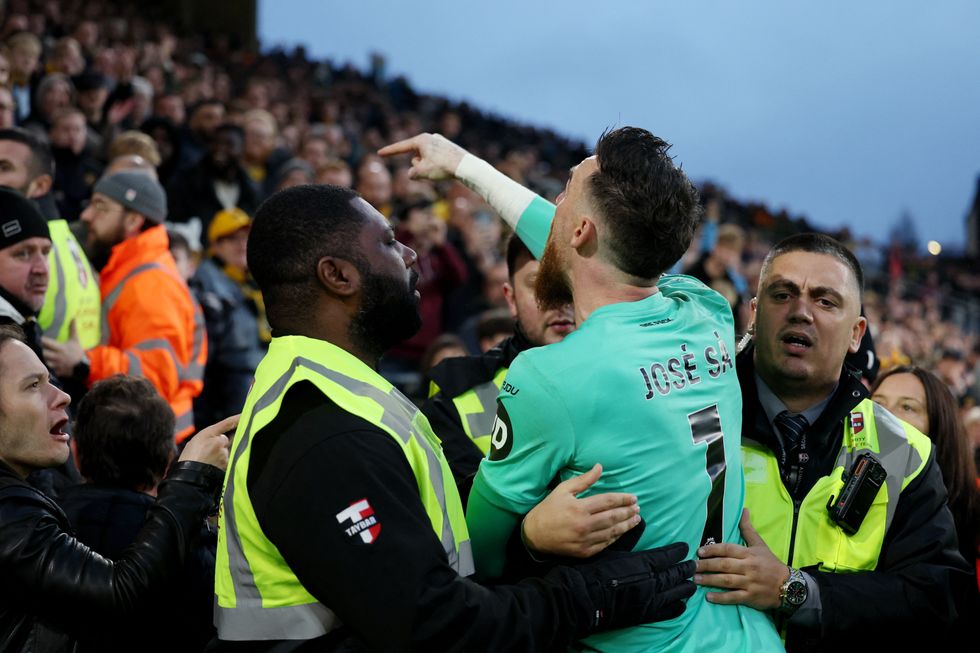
pixel 224 127
pixel 110 87
pixel 227 127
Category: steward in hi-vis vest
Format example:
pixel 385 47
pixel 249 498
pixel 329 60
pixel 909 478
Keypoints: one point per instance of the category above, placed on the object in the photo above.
pixel 73 296
pixel 907 530
pixel 358 390
pixel 151 325
pixel 848 537
pixel 462 405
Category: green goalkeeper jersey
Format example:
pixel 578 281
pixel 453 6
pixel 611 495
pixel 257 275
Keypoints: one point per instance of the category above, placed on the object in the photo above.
pixel 649 390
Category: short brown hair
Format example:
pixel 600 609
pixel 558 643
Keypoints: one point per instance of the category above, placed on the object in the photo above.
pixel 731 235
pixel 134 142
pixel 65 112
pixel 124 431
pixel 25 39
pixel 650 206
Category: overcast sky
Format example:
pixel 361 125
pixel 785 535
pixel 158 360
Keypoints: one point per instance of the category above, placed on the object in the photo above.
pixel 846 112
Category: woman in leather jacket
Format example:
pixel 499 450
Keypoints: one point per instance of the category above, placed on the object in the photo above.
pixel 55 589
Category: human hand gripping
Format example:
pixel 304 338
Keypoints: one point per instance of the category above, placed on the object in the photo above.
pixel 62 357
pixel 564 525
pixel 433 155
pixel 210 445
pixel 752 574
pixel 627 589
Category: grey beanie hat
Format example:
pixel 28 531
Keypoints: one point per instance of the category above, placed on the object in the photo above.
pixel 137 192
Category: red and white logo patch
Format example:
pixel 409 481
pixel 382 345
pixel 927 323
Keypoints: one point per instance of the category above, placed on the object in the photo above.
pixel 364 523
pixel 857 421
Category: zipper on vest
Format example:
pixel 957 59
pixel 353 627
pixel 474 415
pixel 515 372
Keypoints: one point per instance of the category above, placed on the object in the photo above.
pixel 792 533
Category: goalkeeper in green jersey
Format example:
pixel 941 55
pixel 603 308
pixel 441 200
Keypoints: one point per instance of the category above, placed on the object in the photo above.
pixel 645 386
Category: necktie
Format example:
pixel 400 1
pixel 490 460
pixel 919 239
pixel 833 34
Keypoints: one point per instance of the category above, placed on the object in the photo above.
pixel 792 426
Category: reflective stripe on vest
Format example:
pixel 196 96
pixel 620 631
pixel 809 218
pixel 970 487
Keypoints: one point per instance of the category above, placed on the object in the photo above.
pixel 900 448
pixel 282 608
pixel 477 408
pixel 113 297
pixel 184 421
pixel 59 291
pixel 193 371
pixel 73 294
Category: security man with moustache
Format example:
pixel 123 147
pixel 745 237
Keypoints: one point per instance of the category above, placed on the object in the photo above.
pixel 25 243
pixel 837 581
pixel 72 300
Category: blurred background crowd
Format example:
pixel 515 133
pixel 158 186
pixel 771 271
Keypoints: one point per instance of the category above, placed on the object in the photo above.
pixel 223 127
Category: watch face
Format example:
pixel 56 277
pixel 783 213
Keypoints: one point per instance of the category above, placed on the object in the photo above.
pixel 796 592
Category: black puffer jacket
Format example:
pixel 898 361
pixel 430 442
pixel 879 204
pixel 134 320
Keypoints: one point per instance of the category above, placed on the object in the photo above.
pixel 56 590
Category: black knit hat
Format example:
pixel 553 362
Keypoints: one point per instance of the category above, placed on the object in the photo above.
pixel 20 219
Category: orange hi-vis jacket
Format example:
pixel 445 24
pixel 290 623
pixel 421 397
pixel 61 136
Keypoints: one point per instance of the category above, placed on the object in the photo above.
pixel 151 325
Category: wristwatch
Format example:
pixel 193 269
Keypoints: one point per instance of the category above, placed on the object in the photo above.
pixel 792 593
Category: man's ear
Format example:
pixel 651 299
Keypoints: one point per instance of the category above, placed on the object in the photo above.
pixel 39 186
pixel 585 236
pixel 511 299
pixel 339 276
pixel 132 223
pixel 857 333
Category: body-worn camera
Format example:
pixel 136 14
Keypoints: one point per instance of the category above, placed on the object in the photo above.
pixel 860 489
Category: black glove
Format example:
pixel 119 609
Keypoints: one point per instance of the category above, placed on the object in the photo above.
pixel 627 589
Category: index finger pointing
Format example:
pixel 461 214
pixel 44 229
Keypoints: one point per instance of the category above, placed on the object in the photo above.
pixel 223 426
pixel 402 147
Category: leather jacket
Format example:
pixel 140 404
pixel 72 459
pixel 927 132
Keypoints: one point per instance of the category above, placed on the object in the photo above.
pixel 56 590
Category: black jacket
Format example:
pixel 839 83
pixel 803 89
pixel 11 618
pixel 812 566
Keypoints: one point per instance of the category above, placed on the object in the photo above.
pixel 234 346
pixel 455 376
pixel 397 593
pixel 907 598
pixel 108 519
pixel 74 177
pixel 56 590
pixel 191 194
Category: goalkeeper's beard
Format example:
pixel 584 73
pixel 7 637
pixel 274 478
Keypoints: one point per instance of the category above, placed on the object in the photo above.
pixel 551 287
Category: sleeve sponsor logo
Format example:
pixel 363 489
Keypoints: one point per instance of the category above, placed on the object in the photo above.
pixel 857 421
pixel 364 523
pixel 502 435
pixel 79 264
